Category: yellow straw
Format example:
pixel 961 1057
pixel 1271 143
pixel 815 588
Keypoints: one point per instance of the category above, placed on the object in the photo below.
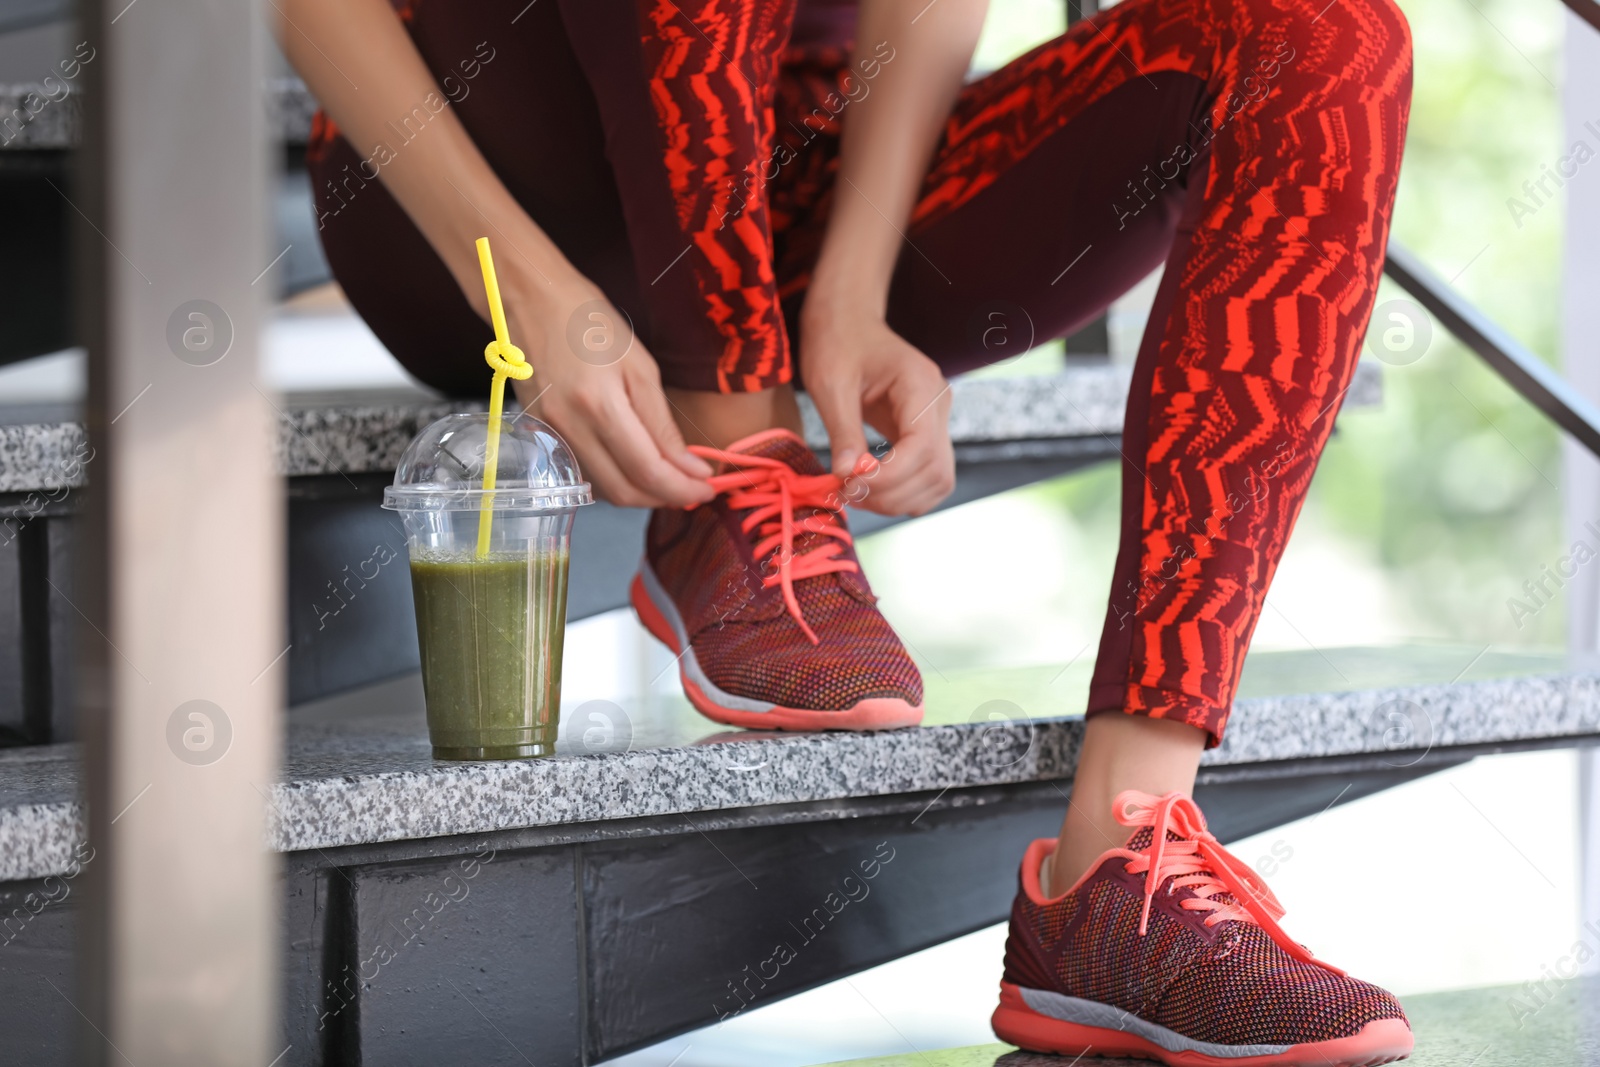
pixel 507 360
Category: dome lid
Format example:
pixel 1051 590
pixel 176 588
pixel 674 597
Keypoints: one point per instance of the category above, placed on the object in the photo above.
pixel 442 468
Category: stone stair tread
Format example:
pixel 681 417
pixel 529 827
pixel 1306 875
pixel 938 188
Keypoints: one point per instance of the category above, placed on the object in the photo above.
pixel 361 775
pixel 361 432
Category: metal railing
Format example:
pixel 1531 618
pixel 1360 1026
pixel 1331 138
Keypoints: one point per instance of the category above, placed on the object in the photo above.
pixel 1530 376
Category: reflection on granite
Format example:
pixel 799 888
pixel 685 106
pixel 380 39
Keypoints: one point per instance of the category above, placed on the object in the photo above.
pixel 358 433
pixel 1554 1025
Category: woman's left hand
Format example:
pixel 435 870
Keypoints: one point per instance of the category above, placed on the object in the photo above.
pixel 856 367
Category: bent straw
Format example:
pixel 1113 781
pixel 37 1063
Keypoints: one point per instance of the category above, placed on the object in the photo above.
pixel 507 361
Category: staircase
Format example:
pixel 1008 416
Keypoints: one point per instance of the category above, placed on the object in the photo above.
pixel 633 887
pixel 639 880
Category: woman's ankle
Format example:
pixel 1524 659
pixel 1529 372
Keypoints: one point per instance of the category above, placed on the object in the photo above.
pixel 720 419
pixel 1120 752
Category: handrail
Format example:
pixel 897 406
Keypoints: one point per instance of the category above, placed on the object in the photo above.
pixel 1587 10
pixel 1525 372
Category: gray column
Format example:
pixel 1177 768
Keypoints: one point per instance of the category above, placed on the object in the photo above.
pixel 181 587
pixel 1580 331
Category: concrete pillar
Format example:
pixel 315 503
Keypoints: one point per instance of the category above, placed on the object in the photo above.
pixel 181 582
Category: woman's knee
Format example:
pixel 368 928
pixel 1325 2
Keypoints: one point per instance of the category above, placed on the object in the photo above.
pixel 1384 38
pixel 1368 43
pixel 1362 44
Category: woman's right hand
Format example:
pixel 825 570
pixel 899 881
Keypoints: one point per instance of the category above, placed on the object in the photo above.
pixel 601 390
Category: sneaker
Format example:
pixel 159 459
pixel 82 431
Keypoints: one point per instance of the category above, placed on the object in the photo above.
pixel 760 595
pixel 1172 951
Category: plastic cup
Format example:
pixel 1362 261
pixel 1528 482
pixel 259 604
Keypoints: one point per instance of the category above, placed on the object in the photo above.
pixel 490 625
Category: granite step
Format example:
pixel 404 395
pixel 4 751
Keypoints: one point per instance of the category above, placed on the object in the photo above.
pixel 534 874
pixel 354 433
pixel 358 769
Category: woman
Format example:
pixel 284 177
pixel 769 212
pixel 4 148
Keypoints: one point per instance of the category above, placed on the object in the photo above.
pixel 696 203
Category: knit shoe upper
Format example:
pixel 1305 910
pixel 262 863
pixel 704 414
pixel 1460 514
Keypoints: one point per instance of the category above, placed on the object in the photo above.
pixel 763 585
pixel 1170 947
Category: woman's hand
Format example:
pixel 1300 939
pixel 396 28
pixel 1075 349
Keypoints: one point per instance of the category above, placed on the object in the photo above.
pixel 856 367
pixel 606 402
pixel 853 364
pixel 595 383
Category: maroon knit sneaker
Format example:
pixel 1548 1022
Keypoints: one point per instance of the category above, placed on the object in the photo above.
pixel 760 594
pixel 1172 951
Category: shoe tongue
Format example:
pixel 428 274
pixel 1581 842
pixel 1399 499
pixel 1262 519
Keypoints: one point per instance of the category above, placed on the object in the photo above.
pixel 783 446
pixel 1140 841
pixel 787 448
pixel 1141 838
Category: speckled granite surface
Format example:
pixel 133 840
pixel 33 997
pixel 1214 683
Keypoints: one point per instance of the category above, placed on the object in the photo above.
pixel 52 116
pixel 371 779
pixel 360 435
pixel 1408 720
pixel 40 117
pixel 41 456
pixel 352 439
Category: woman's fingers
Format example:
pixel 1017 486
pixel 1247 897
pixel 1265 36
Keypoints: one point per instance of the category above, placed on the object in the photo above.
pixel 610 484
pixel 912 480
pixel 919 471
pixel 838 399
pixel 638 456
pixel 654 410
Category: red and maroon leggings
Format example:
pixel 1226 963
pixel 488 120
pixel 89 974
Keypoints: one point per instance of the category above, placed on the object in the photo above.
pixel 682 153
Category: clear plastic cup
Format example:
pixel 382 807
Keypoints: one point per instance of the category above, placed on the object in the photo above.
pixel 490 626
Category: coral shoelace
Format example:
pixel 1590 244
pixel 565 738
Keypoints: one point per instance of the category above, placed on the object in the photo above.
pixel 772 491
pixel 1199 862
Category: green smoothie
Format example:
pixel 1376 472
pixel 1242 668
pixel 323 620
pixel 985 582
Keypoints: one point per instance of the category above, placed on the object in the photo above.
pixel 490 632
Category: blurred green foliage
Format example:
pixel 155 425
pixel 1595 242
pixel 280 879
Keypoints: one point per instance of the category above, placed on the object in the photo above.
pixel 1455 479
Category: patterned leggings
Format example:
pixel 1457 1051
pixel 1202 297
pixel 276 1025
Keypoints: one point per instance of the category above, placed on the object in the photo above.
pixel 682 153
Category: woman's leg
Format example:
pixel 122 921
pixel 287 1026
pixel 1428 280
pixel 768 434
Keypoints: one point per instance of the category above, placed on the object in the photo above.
pixel 1255 147
pixel 1267 137
pixel 720 419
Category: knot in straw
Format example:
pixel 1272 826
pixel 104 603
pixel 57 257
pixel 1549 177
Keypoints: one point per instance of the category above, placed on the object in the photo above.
pixel 506 358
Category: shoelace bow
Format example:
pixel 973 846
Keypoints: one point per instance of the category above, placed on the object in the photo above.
pixel 1199 862
pixel 772 491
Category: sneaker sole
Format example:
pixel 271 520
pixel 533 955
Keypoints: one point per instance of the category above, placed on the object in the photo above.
pixel 660 616
pixel 1043 1021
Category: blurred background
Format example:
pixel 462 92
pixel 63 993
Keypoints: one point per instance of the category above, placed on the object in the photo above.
pixel 1427 515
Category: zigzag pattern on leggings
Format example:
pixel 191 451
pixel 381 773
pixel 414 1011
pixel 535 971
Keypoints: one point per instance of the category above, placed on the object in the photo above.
pixel 713 69
pixel 1306 129
pixel 1303 126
